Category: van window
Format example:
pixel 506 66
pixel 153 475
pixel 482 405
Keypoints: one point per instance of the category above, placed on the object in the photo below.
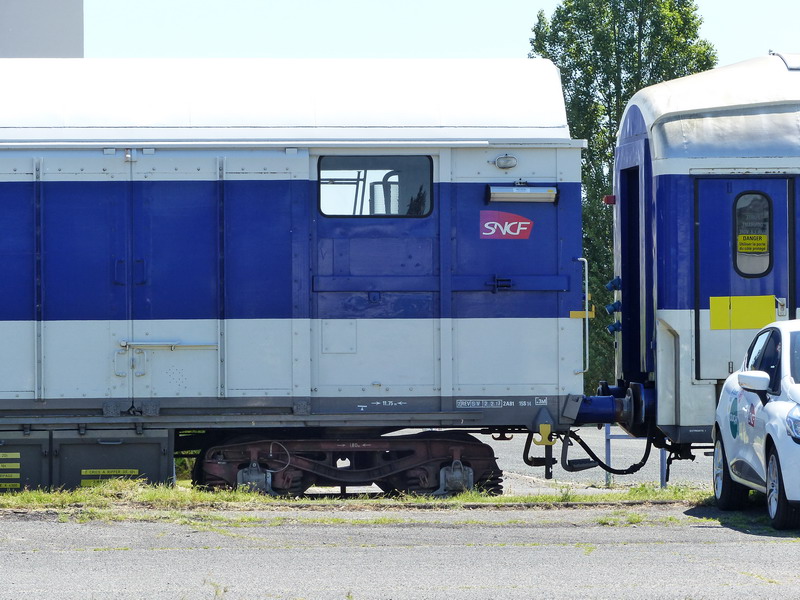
pixel 375 186
pixel 752 224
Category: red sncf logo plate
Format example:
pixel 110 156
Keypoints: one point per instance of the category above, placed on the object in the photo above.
pixel 497 225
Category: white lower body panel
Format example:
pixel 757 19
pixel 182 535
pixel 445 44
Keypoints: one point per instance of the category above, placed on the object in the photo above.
pixel 290 357
pixel 683 401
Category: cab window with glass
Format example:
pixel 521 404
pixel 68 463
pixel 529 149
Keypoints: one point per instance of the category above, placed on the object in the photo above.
pixel 752 225
pixel 765 355
pixel 375 186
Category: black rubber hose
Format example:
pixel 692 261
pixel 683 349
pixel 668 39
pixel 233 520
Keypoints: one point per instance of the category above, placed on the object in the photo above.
pixel 632 469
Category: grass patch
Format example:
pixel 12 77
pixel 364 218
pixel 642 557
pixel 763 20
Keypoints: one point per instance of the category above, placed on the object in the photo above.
pixel 620 518
pixel 121 493
pixel 650 492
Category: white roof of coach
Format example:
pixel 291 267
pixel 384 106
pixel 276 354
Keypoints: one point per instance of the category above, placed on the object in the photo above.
pixel 255 101
pixel 748 109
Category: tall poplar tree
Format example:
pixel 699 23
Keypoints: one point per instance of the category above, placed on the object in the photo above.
pixel 606 51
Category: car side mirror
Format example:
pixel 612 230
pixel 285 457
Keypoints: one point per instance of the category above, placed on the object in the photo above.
pixel 754 381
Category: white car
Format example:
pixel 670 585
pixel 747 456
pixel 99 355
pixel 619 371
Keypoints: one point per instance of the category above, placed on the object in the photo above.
pixel 757 432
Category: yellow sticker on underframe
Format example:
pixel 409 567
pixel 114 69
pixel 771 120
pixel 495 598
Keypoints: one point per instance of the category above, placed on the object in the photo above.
pixel 9 486
pixel 9 475
pixel 10 455
pixel 112 472
pixel 9 466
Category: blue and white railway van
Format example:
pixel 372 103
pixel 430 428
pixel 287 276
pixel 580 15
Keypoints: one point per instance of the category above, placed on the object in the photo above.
pixel 706 221
pixel 193 253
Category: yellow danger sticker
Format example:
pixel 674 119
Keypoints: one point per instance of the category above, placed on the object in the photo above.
pixel 752 244
pixel 10 455
pixel 9 466
pixel 109 471
pixel 9 475
pixel 9 486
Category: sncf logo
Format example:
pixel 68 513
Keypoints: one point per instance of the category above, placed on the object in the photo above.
pixel 496 225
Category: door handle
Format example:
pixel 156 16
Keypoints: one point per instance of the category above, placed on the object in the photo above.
pixel 500 283
pixel 121 356
pixel 140 271
pixel 139 362
pixel 585 264
pixel 119 272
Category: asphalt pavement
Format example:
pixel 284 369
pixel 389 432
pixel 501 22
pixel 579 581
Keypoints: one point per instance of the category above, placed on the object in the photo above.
pixel 626 552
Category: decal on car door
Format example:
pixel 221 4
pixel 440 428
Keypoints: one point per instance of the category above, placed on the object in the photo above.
pixel 734 415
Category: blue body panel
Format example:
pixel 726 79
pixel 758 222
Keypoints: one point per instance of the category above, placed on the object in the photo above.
pixel 677 244
pixel 258 251
pixel 240 249
pixel 675 241
pixel 716 243
pixel 531 265
pixel 17 252
pixel 84 261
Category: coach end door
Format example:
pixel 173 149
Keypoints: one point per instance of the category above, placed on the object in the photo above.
pixel 742 244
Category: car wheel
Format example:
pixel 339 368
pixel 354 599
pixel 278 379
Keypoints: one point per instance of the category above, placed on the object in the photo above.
pixel 729 494
pixel 782 514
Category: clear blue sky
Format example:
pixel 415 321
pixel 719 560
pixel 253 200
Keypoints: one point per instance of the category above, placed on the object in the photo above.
pixel 739 29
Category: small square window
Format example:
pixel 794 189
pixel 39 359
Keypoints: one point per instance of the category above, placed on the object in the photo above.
pixel 375 186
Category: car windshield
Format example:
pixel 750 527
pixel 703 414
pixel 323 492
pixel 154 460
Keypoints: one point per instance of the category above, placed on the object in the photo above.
pixel 795 357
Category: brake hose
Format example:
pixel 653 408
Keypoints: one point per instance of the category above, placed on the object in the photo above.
pixel 632 469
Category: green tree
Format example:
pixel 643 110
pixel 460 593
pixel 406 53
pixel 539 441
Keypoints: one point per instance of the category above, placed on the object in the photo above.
pixel 606 51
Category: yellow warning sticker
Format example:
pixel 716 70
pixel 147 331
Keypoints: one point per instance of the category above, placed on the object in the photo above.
pixel 741 312
pixel 109 471
pixel 10 455
pixel 9 475
pixel 752 312
pixel 752 244
pixel 9 486
pixel 9 466
pixel 720 312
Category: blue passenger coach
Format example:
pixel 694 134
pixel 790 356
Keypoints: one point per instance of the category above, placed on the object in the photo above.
pixel 706 182
pixel 273 263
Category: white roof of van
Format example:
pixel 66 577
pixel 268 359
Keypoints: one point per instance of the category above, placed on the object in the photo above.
pixel 271 101
pixel 748 109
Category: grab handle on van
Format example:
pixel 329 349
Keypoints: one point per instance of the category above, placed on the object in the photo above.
pixel 585 316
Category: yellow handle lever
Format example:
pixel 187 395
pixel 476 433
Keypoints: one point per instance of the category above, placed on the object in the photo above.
pixel 544 436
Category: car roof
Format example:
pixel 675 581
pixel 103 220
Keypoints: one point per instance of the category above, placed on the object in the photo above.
pixel 789 326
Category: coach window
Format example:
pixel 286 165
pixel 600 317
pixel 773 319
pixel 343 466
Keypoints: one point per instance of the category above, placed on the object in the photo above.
pixel 375 186
pixel 752 225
